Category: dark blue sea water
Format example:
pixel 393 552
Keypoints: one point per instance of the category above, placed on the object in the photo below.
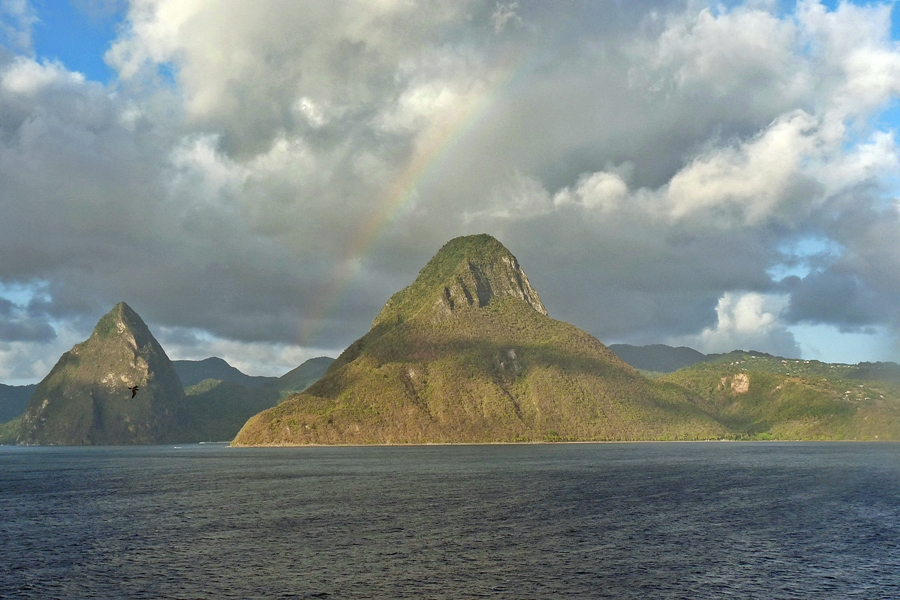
pixel 706 520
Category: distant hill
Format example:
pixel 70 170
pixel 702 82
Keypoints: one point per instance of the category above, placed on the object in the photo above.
pixel 13 400
pixel 760 396
pixel 192 372
pixel 877 371
pixel 658 357
pixel 467 353
pixel 217 409
pixel 300 378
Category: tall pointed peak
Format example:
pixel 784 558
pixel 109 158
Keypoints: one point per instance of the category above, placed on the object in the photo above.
pixel 468 271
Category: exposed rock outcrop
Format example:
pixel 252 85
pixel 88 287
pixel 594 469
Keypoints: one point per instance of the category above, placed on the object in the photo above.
pixel 468 271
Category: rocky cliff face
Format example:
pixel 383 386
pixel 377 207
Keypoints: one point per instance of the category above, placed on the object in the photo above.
pixel 86 397
pixel 468 271
pixel 477 285
pixel 467 353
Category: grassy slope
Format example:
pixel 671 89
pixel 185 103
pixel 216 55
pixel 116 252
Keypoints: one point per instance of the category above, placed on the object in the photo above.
pixel 500 373
pixel 793 399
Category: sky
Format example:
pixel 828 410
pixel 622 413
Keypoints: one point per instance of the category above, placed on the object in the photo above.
pixel 257 179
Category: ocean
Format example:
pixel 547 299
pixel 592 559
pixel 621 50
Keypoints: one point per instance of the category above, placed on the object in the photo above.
pixel 648 520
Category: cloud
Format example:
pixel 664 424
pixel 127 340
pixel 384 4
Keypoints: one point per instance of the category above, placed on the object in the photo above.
pixel 748 321
pixel 28 361
pixel 603 190
pixel 17 18
pixel 16 325
pixel 342 55
pixel 268 177
pixel 504 14
pixel 730 53
pixel 752 178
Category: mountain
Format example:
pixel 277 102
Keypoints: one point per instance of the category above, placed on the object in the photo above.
pixel 192 372
pixel 86 397
pixel 877 371
pixel 467 353
pixel 760 396
pixel 300 378
pixel 13 400
pixel 658 357
pixel 218 408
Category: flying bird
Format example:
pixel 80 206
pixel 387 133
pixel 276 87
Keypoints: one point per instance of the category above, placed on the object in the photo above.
pixel 134 390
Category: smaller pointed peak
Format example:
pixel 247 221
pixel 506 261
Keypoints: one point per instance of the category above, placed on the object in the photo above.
pixel 123 308
pixel 120 319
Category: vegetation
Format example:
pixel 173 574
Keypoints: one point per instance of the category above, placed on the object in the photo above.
pixel 464 354
pixel 86 397
pixel 13 400
pixel 759 396
pixel 489 370
pixel 301 377
pixel 9 431
pixel 216 410
pixel 467 271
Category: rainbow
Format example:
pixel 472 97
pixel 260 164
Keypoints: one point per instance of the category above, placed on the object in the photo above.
pixel 440 140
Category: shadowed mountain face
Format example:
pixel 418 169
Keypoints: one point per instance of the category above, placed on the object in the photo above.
pixel 86 397
pixel 192 372
pixel 658 357
pixel 467 353
pixel 218 408
pixel 13 400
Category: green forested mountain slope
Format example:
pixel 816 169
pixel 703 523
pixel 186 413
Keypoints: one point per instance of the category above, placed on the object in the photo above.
pixel 467 354
pixel 767 397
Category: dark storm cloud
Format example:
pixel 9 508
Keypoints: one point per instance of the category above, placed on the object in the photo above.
pixel 835 298
pixel 17 324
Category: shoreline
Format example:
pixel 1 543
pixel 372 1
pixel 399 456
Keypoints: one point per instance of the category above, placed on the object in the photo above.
pixel 543 443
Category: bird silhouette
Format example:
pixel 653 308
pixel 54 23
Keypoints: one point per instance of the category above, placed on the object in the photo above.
pixel 134 391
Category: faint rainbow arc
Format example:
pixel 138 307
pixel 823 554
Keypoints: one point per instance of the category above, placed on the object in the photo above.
pixel 441 140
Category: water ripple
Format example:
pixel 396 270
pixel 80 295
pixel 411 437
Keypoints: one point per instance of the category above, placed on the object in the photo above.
pixel 530 521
